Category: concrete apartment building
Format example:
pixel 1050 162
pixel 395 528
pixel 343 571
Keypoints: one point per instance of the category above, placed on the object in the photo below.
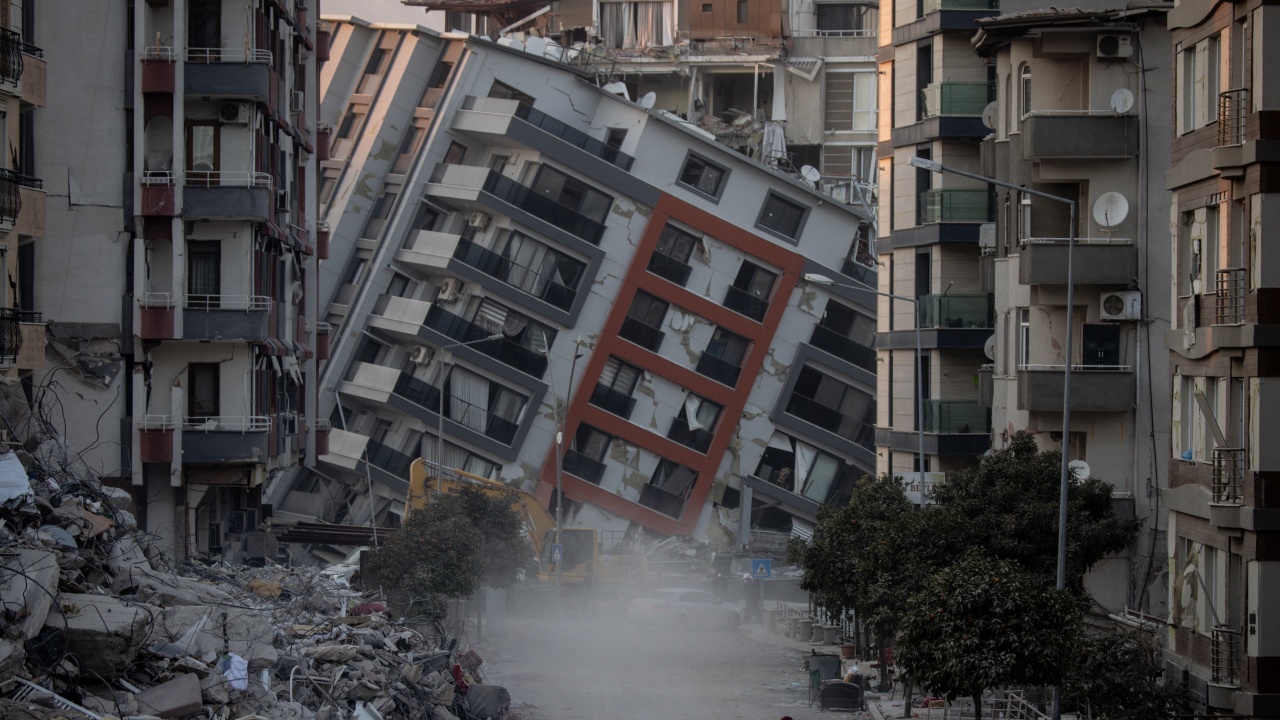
pixel 517 247
pixel 22 200
pixel 184 348
pixel 1222 528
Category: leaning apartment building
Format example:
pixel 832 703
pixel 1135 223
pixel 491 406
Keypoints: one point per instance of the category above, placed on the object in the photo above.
pixel 509 238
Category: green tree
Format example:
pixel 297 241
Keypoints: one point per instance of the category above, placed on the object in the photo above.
pixel 1118 672
pixel 984 623
pixel 457 543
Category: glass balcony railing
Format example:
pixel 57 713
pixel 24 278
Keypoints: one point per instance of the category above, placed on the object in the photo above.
pixel 418 392
pixel 722 371
pixel 956 311
pixel 543 208
pixel 670 268
pixel 494 265
pixel 579 465
pixel 957 98
pixel 832 420
pixel 966 205
pixel 460 330
pixel 393 461
pixel 611 400
pixel 699 439
pixel 643 335
pixel 956 416
pixel 843 347
pixel 661 501
pixel 932 6
pixel 859 272
pixel 574 136
pixel 744 303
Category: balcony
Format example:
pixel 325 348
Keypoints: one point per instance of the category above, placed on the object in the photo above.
pixel 11 63
pixel 843 347
pixel 699 439
pixel 1095 261
pixel 346 449
pixel 1080 135
pixel 10 198
pixel 227 194
pixel 956 98
pixel 31 212
pixel 643 335
pixel 159 69
pixel 419 392
pixel 1232 283
pixel 611 400
pixel 392 461
pixel 228 73
pixel 581 466
pixel 661 501
pixel 1094 388
pixel 722 371
pixel 550 211
pixel 956 417
pixel 492 116
pixel 858 272
pixel 14 337
pixel 1228 476
pixel 932 6
pixel 831 420
pixel 500 268
pixel 429 252
pixel 673 269
pixel 1225 657
pixel 426 397
pixel 744 303
pixel 35 73
pixel 225 317
pixel 157 191
pixel 956 311
pixel 955 206
pixel 401 317
pixel 155 438
pixel 212 440
pixel 505 351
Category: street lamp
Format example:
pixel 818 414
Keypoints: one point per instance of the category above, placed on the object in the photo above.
pixel 817 279
pixel 1064 471
pixel 560 421
pixel 444 349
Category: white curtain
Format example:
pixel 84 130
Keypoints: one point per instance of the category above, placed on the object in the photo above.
pixel 617 28
pixel 637 24
pixel 530 264
pixel 469 402
pixel 805 455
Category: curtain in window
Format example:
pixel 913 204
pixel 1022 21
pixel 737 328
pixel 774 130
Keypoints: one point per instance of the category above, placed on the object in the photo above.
pixel 805 455
pixel 616 25
pixel 818 485
pixel 529 260
pixel 637 24
pixel 653 24
pixel 469 401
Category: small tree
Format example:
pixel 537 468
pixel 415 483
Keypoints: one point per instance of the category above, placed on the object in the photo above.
pixel 457 543
pixel 1118 672
pixel 983 623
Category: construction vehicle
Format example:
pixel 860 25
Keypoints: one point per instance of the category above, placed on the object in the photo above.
pixel 583 557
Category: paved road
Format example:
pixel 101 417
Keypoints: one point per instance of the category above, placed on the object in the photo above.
pixel 599 668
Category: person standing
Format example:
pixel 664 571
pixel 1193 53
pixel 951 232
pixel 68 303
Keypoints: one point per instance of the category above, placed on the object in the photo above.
pixel 752 597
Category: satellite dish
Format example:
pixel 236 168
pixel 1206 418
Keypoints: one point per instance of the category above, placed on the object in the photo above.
pixel 1110 209
pixel 810 173
pixel 989 116
pixel 1079 469
pixel 989 347
pixel 535 45
pixel 648 100
pixel 1121 101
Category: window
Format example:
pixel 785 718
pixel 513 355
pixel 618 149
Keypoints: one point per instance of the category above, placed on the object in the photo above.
pixel 637 24
pixel 707 7
pixel 644 318
pixel 824 470
pixel 722 360
pixel 202 392
pixel 669 487
pixel 846 18
pixel 1024 337
pixel 701 175
pixel 782 216
pixel 378 215
pixel 586 454
pixel 204 28
pixel 203 140
pixel 572 193
pixel 847 334
pixel 506 92
pixel 516 327
pixel 850 101
pixel 842 161
pixel 742 12
pixel 204 274
pixel 615 137
pixel 751 290
pixel 670 258
pixel 455 154
pixel 833 405
pixel 399 285
pixel 346 128
pixel 539 270
pixel 1026 89
pixel 1198 85
pixel 439 74
pixel 614 387
pixel 695 423
pixel 409 145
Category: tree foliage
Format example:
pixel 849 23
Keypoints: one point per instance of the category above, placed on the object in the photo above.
pixel 460 541
pixel 984 623
pixel 1117 672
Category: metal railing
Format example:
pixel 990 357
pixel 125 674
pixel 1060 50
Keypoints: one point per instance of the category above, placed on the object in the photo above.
pixel 843 347
pixel 638 332
pixel 661 501
pixel 1224 653
pixel 745 303
pixel 502 268
pixel 156 422
pixel 581 466
pixel 718 369
pixel 228 55
pixel 574 136
pixel 156 177
pixel 932 6
pixel 162 53
pixel 226 423
pixel 1233 111
pixel 957 311
pixel 1228 476
pixel 1229 305
pixel 862 33
pixel 10 196
pixel 1075 367
pixel 247 303
pixel 958 205
pixel 956 98
pixel 11 320
pixel 227 178
pixel 544 208
pixel 10 56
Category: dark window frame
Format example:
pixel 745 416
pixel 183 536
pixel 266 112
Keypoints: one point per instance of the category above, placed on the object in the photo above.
pixel 693 157
pixel 202 377
pixel 779 225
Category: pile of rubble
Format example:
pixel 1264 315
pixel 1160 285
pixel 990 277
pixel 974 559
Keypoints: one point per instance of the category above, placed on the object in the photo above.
pixel 93 622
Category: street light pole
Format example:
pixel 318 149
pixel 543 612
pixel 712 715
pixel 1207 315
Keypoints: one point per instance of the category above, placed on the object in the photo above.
pixel 818 279
pixel 560 423
pixel 444 350
pixel 1064 471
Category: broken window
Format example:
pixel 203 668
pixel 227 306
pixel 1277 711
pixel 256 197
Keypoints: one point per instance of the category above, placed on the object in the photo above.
pixel 637 24
pixel 667 490
pixel 504 91
pixel 703 176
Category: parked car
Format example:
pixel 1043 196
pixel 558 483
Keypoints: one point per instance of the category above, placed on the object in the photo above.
pixel 682 608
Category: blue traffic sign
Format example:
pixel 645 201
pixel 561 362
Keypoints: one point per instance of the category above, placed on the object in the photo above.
pixel 761 569
pixel 557 550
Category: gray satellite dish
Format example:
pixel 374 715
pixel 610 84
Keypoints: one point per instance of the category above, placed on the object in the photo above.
pixel 648 100
pixel 1110 209
pixel 989 116
pixel 810 173
pixel 989 347
pixel 1121 101
pixel 1079 469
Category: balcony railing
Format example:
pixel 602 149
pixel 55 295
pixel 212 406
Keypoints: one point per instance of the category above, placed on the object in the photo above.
pixel 744 303
pixel 393 461
pixel 611 400
pixel 699 439
pixel 859 272
pixel 561 216
pixel 955 416
pixel 11 331
pixel 10 56
pixel 1225 656
pixel 956 98
pixel 10 196
pixel 227 178
pixel 480 419
pixel 1229 308
pixel 494 265
pixel 1228 476
pixel 1233 110
pixel 673 269
pixel 956 311
pixel 228 55
pixel 931 6
pixel 247 303
pixel 579 465
pixel 574 136
pixel 643 335
pixel 720 370
pixel 661 501
pixel 843 347
pixel 831 420
pixel 461 330
pixel 963 205
pixel 226 423
pixel 418 392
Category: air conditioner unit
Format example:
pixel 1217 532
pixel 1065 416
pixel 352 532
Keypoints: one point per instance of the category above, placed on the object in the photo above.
pixel 243 521
pixel 1123 305
pixel 297 99
pixel 478 220
pixel 236 112
pixel 1115 47
pixel 421 355
pixel 450 289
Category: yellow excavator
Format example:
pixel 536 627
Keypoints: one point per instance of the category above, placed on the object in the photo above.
pixel 583 559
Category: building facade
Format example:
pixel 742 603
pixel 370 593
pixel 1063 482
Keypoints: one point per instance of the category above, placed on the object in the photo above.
pixel 525 253
pixel 186 347
pixel 1222 530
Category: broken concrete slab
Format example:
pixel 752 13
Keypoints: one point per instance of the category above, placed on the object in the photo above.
pixel 244 632
pixel 25 589
pixel 177 698
pixel 104 632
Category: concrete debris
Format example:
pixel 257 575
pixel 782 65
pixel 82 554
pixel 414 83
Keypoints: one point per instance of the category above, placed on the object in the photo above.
pixel 91 612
